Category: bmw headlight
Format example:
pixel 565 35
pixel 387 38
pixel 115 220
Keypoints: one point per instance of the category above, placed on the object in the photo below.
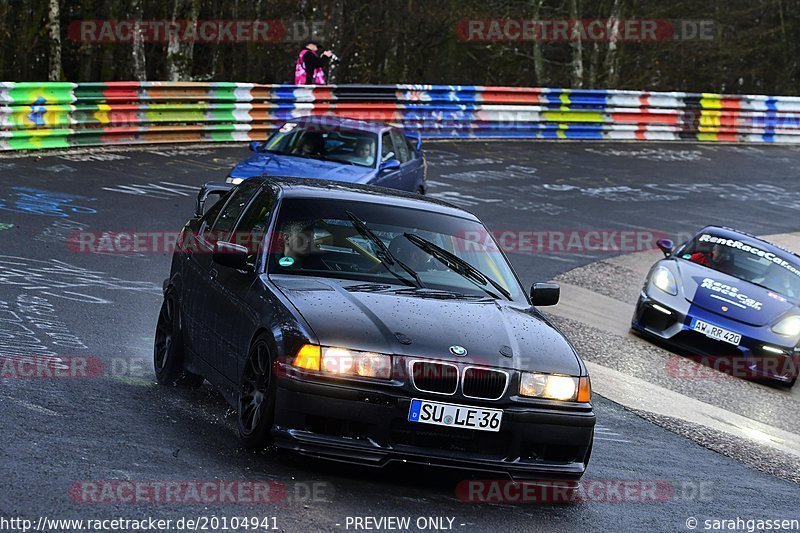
pixel 788 326
pixel 235 181
pixel 664 280
pixel 343 362
pixel 555 387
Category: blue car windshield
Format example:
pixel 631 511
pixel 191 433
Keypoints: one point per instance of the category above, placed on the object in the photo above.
pixel 318 237
pixel 349 147
pixel 745 261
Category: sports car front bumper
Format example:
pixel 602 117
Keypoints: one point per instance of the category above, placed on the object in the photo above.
pixel 660 318
pixel 345 422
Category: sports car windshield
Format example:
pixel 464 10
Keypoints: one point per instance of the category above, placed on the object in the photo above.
pixel 339 145
pixel 316 237
pixel 746 262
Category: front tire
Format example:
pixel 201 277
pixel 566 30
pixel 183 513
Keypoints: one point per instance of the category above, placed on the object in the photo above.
pixel 168 348
pixel 256 406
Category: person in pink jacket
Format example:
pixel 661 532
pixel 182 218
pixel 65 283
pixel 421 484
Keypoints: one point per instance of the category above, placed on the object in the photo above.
pixel 309 67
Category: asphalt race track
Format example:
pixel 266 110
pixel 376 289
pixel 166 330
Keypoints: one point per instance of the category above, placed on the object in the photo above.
pixel 58 435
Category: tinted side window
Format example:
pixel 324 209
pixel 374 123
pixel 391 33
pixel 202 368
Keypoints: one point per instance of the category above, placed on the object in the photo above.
pixel 400 145
pixel 230 213
pixel 212 213
pixel 412 148
pixel 252 228
pixel 387 148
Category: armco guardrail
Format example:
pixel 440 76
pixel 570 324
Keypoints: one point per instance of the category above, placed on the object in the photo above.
pixel 62 115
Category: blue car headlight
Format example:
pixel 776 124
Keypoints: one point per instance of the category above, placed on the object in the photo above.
pixel 788 326
pixel 663 279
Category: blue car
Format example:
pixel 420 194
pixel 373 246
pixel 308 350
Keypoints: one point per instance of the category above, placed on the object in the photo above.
pixel 339 149
pixel 726 296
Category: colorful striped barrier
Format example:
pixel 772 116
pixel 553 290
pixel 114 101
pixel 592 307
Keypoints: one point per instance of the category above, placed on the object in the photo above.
pixel 63 115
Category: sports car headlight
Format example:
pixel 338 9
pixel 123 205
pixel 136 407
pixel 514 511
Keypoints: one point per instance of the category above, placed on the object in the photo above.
pixel 343 362
pixel 788 326
pixel 555 387
pixel 235 181
pixel 664 280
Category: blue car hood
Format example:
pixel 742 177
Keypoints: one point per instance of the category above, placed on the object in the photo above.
pixel 299 167
pixel 743 301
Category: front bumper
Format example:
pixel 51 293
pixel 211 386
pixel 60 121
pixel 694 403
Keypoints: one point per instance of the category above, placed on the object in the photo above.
pixel 748 360
pixel 350 423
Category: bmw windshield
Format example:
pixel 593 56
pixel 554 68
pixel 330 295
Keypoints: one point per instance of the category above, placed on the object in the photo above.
pixel 319 238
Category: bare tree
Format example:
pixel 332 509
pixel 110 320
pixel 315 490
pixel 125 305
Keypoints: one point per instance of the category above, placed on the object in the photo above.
pixel 180 54
pixel 337 23
pixel 577 48
pixel 538 57
pixel 54 31
pixel 612 58
pixel 139 61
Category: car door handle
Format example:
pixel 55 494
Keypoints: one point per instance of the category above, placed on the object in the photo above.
pixel 213 273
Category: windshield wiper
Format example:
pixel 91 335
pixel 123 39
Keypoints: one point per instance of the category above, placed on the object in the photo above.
pixel 383 254
pixel 458 265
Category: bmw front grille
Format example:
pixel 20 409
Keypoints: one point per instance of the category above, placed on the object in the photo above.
pixel 484 383
pixel 443 378
pixel 438 378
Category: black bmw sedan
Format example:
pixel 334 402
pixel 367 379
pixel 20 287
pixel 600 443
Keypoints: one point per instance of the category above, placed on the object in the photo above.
pixel 364 325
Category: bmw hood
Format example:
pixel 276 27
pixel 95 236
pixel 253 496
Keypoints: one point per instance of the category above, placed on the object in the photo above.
pixel 298 167
pixel 729 296
pixel 359 316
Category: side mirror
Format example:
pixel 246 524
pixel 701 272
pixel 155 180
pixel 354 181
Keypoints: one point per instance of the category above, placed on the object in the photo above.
pixel 543 294
pixel 230 255
pixel 207 190
pixel 390 165
pixel 666 246
pixel 255 146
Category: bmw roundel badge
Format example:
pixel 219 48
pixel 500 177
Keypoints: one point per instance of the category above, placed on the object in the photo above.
pixel 457 350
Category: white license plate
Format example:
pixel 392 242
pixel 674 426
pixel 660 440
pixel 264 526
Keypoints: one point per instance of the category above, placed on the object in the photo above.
pixel 715 332
pixel 456 416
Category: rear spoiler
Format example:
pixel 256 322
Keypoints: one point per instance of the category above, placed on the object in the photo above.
pixel 208 189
